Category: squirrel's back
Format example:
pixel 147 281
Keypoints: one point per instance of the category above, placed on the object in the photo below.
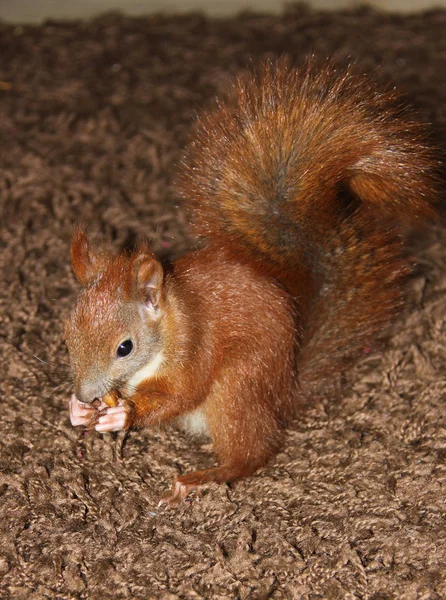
pixel 305 173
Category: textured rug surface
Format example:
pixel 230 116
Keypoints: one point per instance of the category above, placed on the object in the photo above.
pixel 93 117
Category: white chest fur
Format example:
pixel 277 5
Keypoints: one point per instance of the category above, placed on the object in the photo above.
pixel 145 372
pixel 194 422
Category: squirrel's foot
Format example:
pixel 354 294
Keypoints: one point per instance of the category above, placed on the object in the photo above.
pixel 112 419
pixel 82 413
pixel 185 484
pixel 178 493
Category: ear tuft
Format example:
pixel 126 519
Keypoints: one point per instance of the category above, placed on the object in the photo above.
pixel 83 259
pixel 148 280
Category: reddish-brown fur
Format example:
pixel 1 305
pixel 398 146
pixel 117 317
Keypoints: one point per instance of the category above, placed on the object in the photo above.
pixel 235 333
pixel 229 334
pixel 297 182
pixel 308 174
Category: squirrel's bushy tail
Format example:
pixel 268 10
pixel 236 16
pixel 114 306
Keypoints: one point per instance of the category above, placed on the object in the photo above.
pixel 305 173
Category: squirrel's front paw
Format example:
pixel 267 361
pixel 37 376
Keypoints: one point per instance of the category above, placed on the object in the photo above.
pixel 113 418
pixel 81 413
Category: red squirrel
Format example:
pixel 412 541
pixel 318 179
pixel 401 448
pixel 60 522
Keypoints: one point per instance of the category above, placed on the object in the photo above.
pixel 298 182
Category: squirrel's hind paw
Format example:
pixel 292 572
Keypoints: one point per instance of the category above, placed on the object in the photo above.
pixel 185 484
pixel 178 493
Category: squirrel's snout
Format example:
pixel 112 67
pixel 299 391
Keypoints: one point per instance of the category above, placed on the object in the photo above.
pixel 86 393
pixel 82 398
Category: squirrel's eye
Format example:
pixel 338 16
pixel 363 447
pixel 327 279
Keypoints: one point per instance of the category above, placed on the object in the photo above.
pixel 124 348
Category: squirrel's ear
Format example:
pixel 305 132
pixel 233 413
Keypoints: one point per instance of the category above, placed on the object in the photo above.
pixel 148 280
pixel 83 259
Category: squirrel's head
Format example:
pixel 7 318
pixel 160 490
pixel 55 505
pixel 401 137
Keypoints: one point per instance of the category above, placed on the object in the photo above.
pixel 114 329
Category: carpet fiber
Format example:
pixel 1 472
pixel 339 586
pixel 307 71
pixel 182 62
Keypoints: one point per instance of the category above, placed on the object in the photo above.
pixel 93 117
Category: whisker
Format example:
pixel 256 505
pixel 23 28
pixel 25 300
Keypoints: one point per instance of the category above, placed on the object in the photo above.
pixel 54 373
pixel 61 385
pixel 56 362
pixel 43 348
pixel 59 328
pixel 40 359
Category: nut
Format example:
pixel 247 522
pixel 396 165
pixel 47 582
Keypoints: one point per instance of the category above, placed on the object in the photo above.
pixel 111 398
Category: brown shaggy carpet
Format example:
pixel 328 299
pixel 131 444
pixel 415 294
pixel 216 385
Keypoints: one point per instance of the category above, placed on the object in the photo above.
pixel 93 117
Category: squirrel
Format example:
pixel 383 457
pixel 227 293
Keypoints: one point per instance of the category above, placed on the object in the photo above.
pixel 302 182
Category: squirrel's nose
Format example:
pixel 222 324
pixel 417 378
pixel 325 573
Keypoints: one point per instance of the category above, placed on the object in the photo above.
pixel 85 392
